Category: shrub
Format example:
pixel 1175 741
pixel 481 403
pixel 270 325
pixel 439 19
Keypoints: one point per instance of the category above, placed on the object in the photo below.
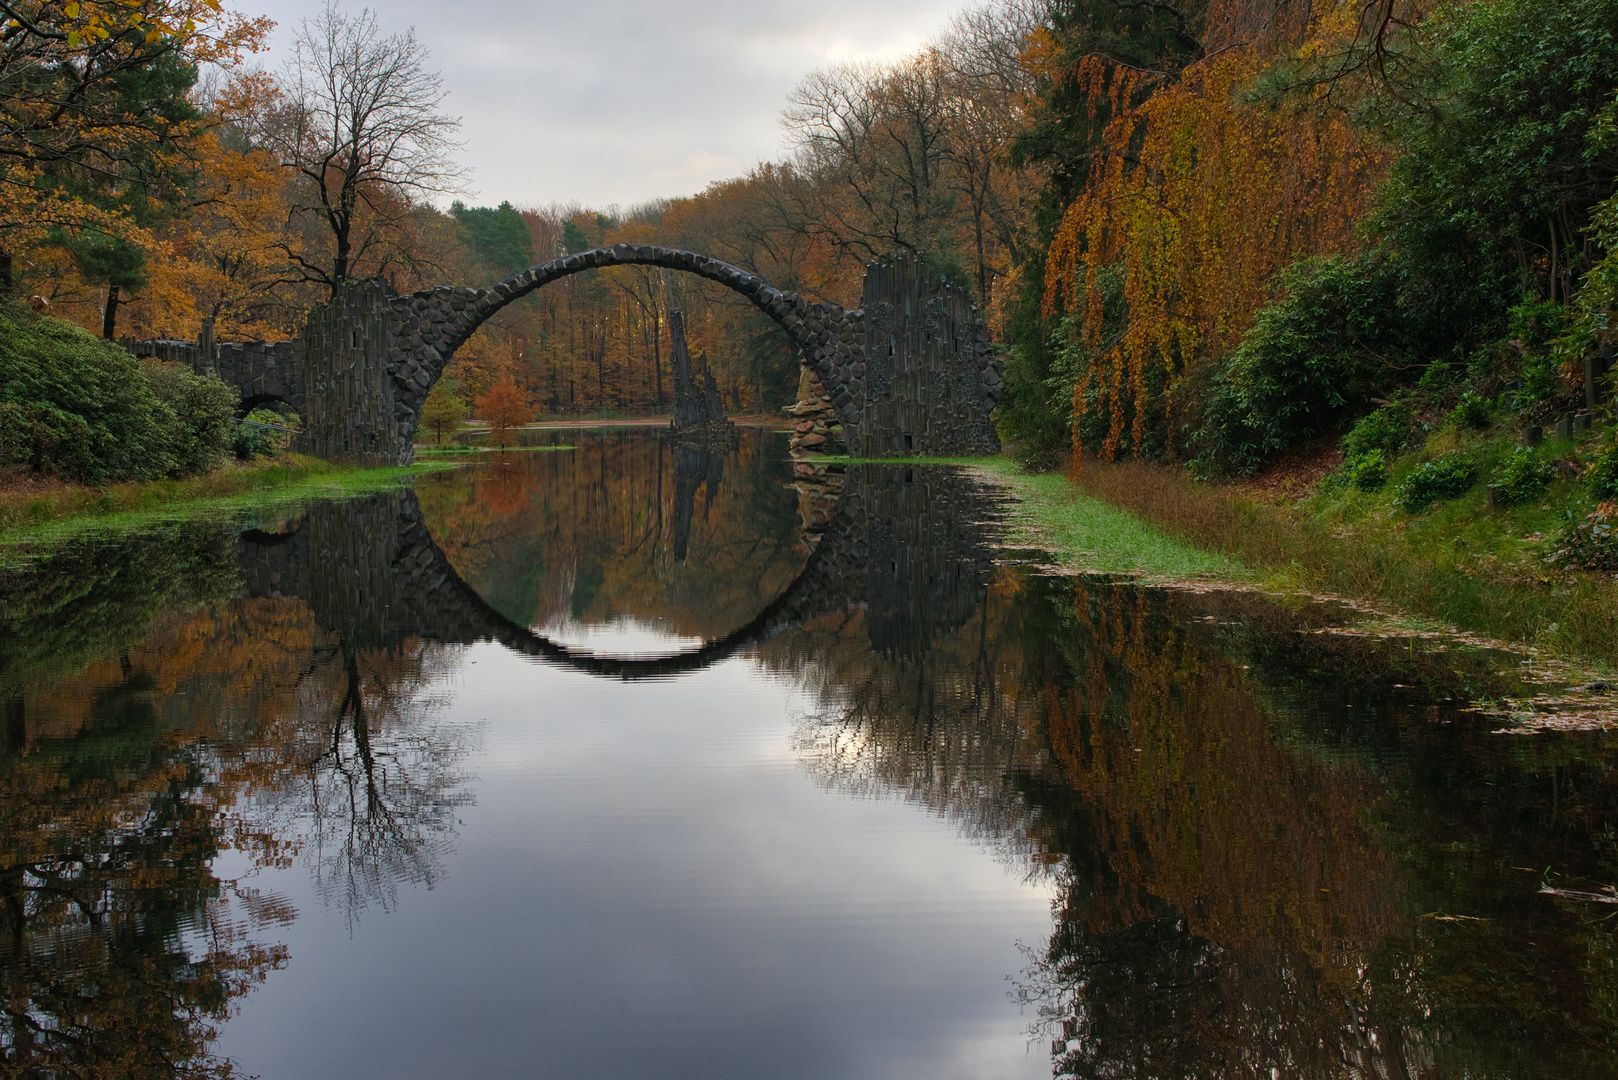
pixel 1311 357
pixel 1448 477
pixel 1472 412
pixel 248 441
pixel 1368 472
pixel 82 409
pixel 1385 430
pixel 1589 544
pixel 1602 475
pixel 1523 476
pixel 73 405
pixel 197 426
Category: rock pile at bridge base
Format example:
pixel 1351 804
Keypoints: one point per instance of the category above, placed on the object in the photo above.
pixel 814 418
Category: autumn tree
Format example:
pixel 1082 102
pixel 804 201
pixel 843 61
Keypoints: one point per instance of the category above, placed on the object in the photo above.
pixel 96 130
pixel 364 135
pixel 1193 198
pixel 909 157
pixel 444 410
pixel 504 408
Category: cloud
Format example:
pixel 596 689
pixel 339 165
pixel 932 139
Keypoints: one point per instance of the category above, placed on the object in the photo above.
pixel 621 101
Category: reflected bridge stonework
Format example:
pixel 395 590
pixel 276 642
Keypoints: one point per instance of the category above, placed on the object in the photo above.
pixel 909 546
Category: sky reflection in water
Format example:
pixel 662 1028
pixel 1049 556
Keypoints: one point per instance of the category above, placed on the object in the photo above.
pixel 908 813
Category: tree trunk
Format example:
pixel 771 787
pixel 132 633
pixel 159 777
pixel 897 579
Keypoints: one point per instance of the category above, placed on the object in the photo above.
pixel 109 317
pixel 7 282
pixel 657 354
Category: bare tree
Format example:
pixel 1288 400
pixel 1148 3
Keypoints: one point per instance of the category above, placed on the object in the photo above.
pixel 987 87
pixel 364 130
pixel 890 155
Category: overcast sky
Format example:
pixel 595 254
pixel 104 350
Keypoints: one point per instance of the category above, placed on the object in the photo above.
pixel 619 101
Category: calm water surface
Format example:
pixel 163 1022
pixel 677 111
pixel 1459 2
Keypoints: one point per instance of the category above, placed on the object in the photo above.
pixel 633 760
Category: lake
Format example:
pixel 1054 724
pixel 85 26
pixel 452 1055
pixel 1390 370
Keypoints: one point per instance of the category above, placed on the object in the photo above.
pixel 610 757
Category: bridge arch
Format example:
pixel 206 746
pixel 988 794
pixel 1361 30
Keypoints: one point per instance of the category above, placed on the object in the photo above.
pixel 428 326
pixel 911 548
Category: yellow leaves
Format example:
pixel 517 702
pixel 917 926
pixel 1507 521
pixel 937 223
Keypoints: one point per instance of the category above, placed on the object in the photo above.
pixel 1198 199
pixel 202 28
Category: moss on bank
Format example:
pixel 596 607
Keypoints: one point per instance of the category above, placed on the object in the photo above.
pixel 55 514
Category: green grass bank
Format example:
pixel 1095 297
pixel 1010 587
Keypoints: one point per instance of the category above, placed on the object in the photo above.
pixel 1481 569
pixel 52 514
pixel 1456 562
pixel 1082 533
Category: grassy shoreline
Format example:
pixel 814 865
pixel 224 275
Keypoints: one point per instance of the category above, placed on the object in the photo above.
pixel 1457 567
pixel 1477 570
pixel 1081 533
pixel 56 513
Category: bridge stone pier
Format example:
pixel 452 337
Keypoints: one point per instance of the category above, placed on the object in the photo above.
pixel 913 547
pixel 909 372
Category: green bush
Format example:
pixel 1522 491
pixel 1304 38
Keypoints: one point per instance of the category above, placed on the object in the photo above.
pixel 77 407
pixel 1311 358
pixel 200 409
pixel 1046 362
pixel 1386 430
pixel 1446 478
pixel 74 406
pixel 1472 412
pixel 1523 476
pixel 1368 471
pixel 1589 544
pixel 248 441
pixel 1602 475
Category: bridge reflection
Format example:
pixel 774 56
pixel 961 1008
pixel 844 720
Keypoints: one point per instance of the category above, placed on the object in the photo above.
pixel 1271 851
pixel 912 547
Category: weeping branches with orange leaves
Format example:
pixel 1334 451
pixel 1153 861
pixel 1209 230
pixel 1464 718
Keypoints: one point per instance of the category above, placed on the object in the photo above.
pixel 1197 195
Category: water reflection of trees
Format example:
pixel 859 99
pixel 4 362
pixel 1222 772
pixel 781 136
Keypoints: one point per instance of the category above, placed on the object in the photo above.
pixel 1275 855
pixel 930 723
pixel 182 726
pixel 380 782
pixel 121 950
pixel 624 525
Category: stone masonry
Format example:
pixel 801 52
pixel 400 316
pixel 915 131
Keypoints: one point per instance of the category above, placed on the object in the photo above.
pixel 936 345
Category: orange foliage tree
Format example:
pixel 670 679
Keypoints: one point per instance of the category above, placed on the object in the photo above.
pixel 503 407
pixel 1197 196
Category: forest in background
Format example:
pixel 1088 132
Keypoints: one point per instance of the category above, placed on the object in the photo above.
pixel 209 187
pixel 1205 230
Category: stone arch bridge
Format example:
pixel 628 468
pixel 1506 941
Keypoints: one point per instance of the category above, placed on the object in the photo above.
pixel 914 548
pixel 910 371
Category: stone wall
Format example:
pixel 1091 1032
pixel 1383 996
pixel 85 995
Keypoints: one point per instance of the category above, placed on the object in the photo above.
pixel 936 378
pixel 353 407
pixel 260 371
pixel 930 376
